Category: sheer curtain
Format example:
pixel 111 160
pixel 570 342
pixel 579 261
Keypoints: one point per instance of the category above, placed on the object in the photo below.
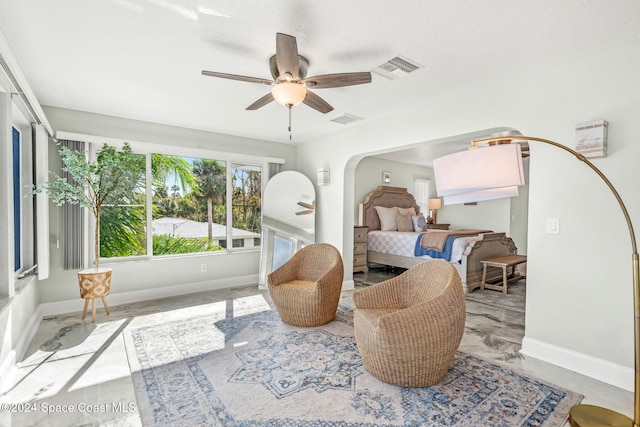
pixel 73 223
pixel 421 194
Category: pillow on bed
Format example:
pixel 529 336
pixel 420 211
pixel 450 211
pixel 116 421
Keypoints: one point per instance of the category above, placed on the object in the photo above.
pixel 419 223
pixel 404 221
pixel 404 211
pixel 387 218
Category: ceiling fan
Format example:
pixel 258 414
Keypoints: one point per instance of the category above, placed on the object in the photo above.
pixel 310 208
pixel 290 86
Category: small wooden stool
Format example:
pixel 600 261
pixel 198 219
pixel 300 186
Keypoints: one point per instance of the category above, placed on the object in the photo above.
pixel 502 262
pixel 94 285
pixel 93 308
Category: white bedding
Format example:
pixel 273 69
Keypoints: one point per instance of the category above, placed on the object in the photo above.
pixel 403 243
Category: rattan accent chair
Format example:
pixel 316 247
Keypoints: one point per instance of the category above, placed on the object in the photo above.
pixel 306 289
pixel 408 328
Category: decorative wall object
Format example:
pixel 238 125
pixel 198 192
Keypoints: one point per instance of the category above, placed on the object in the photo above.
pixel 386 177
pixel 591 139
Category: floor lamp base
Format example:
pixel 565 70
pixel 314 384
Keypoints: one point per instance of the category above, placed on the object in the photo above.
pixel 590 415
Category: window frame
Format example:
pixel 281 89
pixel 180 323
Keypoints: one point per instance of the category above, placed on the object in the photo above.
pixel 95 143
pixel 422 201
pixel 17 183
pixel 24 239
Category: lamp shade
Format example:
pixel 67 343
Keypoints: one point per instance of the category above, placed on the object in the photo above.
pixel 289 93
pixel 434 203
pixel 479 174
pixel 482 195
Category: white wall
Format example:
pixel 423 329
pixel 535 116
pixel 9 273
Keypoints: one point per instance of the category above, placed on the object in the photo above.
pixel 579 286
pixel 134 276
pixel 489 215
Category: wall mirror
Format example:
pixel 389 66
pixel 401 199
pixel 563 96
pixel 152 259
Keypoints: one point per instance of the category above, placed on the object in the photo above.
pixel 288 220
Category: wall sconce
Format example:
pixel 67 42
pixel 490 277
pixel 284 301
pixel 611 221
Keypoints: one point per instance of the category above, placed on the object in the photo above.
pixel 323 176
pixel 433 205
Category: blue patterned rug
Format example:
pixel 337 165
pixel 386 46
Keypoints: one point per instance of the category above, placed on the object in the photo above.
pixel 254 370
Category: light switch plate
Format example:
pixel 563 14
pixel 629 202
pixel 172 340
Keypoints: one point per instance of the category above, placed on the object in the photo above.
pixel 553 225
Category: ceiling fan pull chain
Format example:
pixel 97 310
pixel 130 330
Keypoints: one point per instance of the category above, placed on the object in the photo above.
pixel 289 107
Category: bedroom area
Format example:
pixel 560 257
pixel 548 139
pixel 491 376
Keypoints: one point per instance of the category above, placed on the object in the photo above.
pixel 405 178
pixel 411 168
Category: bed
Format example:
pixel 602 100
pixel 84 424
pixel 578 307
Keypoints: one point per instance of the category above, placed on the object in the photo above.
pixel 396 248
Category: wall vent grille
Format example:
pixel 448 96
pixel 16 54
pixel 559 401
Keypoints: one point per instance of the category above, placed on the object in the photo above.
pixel 347 118
pixel 396 67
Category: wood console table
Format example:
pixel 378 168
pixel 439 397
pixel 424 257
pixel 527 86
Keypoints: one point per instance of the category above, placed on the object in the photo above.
pixel 502 262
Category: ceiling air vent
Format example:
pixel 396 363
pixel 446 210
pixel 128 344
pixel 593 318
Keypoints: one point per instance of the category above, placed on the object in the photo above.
pixel 396 67
pixel 347 118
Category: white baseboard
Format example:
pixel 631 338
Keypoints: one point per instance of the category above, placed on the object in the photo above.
pixel 70 306
pixel 599 369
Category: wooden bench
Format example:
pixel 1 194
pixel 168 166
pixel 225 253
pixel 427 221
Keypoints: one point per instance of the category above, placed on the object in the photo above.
pixel 502 262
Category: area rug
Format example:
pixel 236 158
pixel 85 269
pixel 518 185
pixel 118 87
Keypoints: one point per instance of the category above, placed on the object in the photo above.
pixel 254 370
pixel 514 300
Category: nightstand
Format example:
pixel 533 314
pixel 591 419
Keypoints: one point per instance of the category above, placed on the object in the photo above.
pixel 360 249
pixel 438 226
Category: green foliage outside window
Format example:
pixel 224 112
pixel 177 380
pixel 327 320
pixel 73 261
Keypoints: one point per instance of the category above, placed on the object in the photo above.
pixel 184 190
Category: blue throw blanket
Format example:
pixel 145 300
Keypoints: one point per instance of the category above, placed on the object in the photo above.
pixel 445 254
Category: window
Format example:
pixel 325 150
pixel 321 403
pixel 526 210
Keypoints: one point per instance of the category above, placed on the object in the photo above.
pixel 245 205
pixel 189 205
pixel 23 206
pixel 193 205
pixel 123 227
pixel 17 196
pixel 422 193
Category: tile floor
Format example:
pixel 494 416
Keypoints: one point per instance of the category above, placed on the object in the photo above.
pixel 76 373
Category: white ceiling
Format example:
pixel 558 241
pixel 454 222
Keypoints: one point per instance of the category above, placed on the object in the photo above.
pixel 142 59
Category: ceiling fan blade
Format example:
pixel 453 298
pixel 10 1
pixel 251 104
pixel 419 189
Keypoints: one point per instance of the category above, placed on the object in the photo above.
pixel 317 103
pixel 307 212
pixel 287 58
pixel 338 80
pixel 237 77
pixel 261 102
pixel 306 205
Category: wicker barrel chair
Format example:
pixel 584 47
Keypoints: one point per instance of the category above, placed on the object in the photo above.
pixel 408 328
pixel 306 289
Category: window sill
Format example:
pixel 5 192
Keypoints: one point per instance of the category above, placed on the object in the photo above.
pixel 164 258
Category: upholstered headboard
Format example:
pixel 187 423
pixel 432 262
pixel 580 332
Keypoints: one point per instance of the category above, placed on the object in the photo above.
pixel 387 197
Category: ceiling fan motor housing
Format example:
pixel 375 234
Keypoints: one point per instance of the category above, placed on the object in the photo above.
pixel 275 73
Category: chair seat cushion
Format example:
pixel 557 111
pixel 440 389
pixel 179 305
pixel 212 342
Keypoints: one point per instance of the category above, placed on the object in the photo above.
pixel 305 285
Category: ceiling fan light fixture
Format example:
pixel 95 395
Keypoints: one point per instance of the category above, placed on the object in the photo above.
pixel 289 93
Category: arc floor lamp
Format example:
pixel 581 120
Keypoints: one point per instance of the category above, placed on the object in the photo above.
pixel 495 171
